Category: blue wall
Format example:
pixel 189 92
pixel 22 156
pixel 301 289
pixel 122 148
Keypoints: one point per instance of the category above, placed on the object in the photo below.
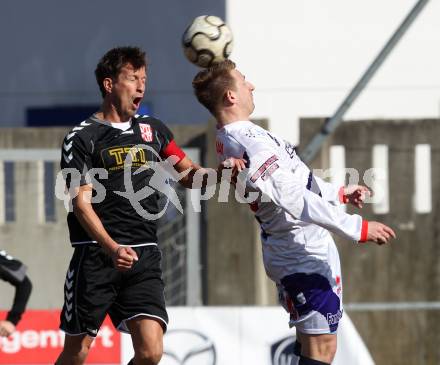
pixel 50 49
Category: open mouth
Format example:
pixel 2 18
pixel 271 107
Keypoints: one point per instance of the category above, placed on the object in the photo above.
pixel 137 102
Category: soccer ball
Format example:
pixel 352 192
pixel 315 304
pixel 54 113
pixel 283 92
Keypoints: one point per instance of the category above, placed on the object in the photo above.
pixel 207 40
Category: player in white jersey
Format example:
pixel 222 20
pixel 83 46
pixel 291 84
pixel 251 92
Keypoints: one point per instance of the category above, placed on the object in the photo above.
pixel 296 211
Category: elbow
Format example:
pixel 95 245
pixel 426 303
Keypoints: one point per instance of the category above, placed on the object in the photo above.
pixel 27 286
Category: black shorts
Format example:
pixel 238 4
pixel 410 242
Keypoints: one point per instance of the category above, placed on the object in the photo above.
pixel 94 287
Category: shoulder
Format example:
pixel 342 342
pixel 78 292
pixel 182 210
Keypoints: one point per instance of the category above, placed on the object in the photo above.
pixel 228 145
pixel 83 131
pixel 248 133
pixel 253 138
pixel 7 260
pixel 153 123
pixel 79 141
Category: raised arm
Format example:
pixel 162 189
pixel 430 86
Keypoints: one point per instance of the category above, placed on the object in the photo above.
pixel 284 185
pixel 197 176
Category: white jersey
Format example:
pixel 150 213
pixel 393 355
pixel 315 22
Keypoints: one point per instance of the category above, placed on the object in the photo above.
pixel 295 209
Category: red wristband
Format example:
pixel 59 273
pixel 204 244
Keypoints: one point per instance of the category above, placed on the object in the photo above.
pixel 342 197
pixel 364 231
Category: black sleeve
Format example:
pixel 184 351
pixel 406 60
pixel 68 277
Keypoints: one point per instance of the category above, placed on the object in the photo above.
pixel 22 293
pixel 168 145
pixel 14 272
pixel 165 134
pixel 11 269
pixel 76 154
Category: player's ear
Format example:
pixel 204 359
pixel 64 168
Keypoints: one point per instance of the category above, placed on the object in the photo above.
pixel 108 84
pixel 230 97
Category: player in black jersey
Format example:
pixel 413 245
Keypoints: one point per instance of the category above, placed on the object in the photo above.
pixel 108 161
pixel 14 272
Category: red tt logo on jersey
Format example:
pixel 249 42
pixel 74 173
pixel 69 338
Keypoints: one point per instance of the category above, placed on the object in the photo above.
pixel 146 132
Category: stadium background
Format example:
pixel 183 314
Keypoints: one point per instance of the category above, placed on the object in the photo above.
pixel 303 58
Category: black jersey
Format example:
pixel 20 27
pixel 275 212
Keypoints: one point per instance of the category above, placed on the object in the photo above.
pixel 11 269
pixel 97 145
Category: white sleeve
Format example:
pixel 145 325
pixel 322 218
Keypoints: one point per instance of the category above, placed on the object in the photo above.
pixel 330 192
pixel 282 187
pixel 269 173
pixel 275 179
pixel 318 211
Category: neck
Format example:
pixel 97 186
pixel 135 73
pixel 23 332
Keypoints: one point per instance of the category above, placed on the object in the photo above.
pixel 110 113
pixel 225 117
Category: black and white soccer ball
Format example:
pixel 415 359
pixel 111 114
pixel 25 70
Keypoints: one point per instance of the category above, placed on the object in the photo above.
pixel 207 40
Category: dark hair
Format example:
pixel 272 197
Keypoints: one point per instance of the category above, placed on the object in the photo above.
pixel 111 63
pixel 211 84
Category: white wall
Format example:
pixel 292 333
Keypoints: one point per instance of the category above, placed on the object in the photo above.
pixel 242 335
pixel 305 55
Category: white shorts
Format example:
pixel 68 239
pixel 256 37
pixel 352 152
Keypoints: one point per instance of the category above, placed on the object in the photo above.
pixel 314 300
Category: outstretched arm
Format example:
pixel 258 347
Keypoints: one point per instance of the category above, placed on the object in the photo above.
pixel 318 211
pixel 23 290
pixel 351 194
pixel 197 176
pixel 286 190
